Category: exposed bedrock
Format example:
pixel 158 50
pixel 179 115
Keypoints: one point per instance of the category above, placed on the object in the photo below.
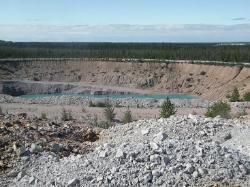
pixel 17 88
pixel 208 81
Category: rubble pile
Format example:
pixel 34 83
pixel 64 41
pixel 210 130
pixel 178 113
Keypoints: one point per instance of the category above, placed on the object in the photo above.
pixel 178 151
pixel 21 136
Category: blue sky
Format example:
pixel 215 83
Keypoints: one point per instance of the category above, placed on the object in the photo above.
pixel 125 20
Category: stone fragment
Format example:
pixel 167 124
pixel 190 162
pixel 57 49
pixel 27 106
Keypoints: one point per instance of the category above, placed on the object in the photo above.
pixel 20 175
pixel 114 170
pixel 56 148
pixel 228 136
pixel 32 180
pixel 120 154
pixel 155 158
pixel 144 132
pixel 21 151
pixel 99 178
pixel 189 168
pixel 148 178
pixel 156 173
pixel 74 183
pixel 202 171
pixel 103 154
pixel 12 174
pixel 166 160
pixel 195 174
pixel 160 136
pixel 35 148
pixel 154 145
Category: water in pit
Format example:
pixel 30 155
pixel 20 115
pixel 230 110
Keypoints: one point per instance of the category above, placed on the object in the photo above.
pixel 117 96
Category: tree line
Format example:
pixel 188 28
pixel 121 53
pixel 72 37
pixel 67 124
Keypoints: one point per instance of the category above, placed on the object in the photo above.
pixel 171 51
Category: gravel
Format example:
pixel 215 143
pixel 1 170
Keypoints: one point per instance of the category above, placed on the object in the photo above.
pixel 130 101
pixel 178 151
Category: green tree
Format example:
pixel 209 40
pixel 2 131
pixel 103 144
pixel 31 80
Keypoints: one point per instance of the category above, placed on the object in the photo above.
pixel 1 111
pixel 219 109
pixel 127 118
pixel 66 115
pixel 43 116
pixel 235 96
pixel 109 112
pixel 167 109
pixel 246 96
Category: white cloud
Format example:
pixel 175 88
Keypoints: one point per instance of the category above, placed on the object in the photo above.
pixel 124 32
pixel 239 19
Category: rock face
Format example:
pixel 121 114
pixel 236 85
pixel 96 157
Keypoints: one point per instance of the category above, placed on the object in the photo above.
pixel 209 81
pixel 17 88
pixel 179 151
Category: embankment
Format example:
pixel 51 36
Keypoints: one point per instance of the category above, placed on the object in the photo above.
pixel 207 81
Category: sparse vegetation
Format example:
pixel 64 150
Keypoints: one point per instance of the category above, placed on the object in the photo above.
pixel 194 112
pixel 219 109
pixel 98 104
pixel 66 115
pixel 127 118
pixel 235 96
pixel 104 124
pixel 94 121
pixel 246 96
pixel 100 124
pixel 167 109
pixel 109 113
pixel 43 116
pixel 84 110
pixel 242 112
pixel 203 73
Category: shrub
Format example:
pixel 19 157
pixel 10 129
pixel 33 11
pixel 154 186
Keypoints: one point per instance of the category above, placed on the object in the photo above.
pixel 203 73
pixel 84 109
pixel 246 96
pixel 194 112
pixel 104 125
pixel 109 113
pixel 127 118
pixel 91 104
pixel 242 112
pixel 43 115
pixel 167 109
pixel 66 115
pixel 235 96
pixel 219 109
pixel 94 121
pixel 101 104
pixel 98 104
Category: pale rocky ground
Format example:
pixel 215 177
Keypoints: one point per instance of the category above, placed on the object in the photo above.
pixel 183 150
pixel 53 106
pixel 54 111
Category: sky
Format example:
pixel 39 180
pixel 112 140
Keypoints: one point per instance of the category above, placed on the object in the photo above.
pixel 125 20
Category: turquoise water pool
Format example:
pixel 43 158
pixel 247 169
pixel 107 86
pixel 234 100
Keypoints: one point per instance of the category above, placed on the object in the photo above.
pixel 116 96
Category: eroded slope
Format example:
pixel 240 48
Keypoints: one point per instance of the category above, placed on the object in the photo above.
pixel 208 81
